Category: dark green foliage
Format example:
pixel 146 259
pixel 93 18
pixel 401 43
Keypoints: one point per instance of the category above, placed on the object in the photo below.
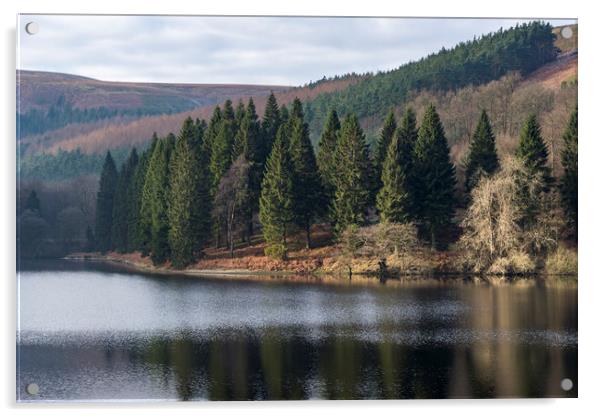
pixel 522 48
pixel 382 146
pixel 221 147
pixel 352 184
pixel 435 178
pixel 276 201
pixel 188 208
pixel 239 113
pixel 569 182
pixel 122 203
pixel 64 165
pixel 307 192
pixel 482 156
pixel 326 155
pixel 139 220
pixel 269 126
pixel 33 202
pixel 154 200
pixel 90 240
pixel 395 200
pixel 104 204
pixel 533 151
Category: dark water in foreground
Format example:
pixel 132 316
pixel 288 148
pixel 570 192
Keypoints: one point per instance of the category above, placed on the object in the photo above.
pixel 91 331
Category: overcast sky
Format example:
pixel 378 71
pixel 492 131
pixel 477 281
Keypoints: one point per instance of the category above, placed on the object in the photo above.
pixel 258 50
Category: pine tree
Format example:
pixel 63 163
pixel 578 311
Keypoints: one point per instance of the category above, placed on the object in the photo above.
pixel 276 201
pixel 352 185
pixel 533 151
pixel 569 182
pixel 139 216
pixel 221 147
pixel 33 202
pixel 326 153
pixel 382 146
pixel 120 231
pixel 154 200
pixel 435 177
pixel 269 126
pixel 395 200
pixel 482 156
pixel 307 193
pixel 188 209
pixel 239 113
pixel 211 132
pixel 104 204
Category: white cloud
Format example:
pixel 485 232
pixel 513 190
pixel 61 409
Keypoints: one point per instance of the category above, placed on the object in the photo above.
pixel 266 50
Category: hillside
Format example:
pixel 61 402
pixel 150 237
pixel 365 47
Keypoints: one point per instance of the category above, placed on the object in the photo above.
pixel 460 80
pixel 48 101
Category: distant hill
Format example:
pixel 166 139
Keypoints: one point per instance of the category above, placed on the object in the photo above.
pixel 49 101
pixel 533 54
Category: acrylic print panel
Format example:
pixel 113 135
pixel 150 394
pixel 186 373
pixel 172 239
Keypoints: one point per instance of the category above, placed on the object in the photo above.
pixel 274 208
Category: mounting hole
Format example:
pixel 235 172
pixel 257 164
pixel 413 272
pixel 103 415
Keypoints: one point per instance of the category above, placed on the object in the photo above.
pixel 32 28
pixel 33 389
pixel 567 32
pixel 566 384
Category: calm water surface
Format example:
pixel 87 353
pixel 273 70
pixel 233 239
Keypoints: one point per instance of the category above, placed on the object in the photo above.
pixel 89 331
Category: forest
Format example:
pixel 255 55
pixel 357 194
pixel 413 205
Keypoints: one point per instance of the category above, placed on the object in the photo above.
pixel 467 163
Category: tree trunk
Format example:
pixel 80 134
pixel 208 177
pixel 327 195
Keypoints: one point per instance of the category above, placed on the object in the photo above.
pixel 308 236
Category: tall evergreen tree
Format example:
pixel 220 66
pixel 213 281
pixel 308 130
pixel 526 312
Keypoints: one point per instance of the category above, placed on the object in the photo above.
pixel 139 223
pixel 104 204
pixel 121 233
pixel 248 144
pixel 482 156
pixel 188 204
pixel 569 182
pixel 211 132
pixel 269 126
pixel 352 185
pixel 276 201
pixel 221 148
pixel 154 200
pixel 33 202
pixel 239 113
pixel 435 177
pixel 533 151
pixel 307 193
pixel 382 146
pixel 326 155
pixel 395 200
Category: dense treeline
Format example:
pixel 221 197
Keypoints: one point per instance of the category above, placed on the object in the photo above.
pixel 214 180
pixel 523 49
pixel 65 165
pixel 62 113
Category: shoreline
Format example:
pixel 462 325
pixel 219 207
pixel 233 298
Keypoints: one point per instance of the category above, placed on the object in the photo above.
pixel 321 277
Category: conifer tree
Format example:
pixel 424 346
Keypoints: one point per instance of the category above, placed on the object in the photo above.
pixel 482 156
pixel 307 193
pixel 188 209
pixel 569 180
pixel 382 146
pixel 33 202
pixel 395 200
pixel 276 201
pixel 533 151
pixel 121 233
pixel 435 177
pixel 211 133
pixel 154 200
pixel 352 185
pixel 239 113
pixel 326 153
pixel 104 204
pixel 269 127
pixel 221 148
pixel 139 216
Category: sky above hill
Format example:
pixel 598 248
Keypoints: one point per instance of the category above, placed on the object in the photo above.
pixel 258 50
